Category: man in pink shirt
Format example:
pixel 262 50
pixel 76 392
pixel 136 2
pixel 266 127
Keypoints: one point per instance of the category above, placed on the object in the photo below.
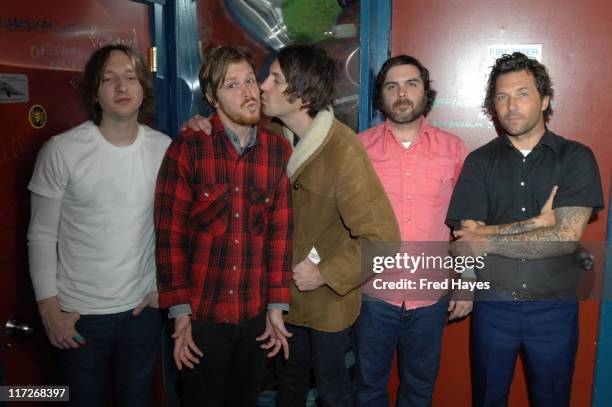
pixel 418 165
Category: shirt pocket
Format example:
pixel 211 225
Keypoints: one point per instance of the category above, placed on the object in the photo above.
pixel 260 209
pixel 436 184
pixel 210 210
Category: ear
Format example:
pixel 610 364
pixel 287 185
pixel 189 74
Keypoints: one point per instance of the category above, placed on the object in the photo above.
pixel 545 102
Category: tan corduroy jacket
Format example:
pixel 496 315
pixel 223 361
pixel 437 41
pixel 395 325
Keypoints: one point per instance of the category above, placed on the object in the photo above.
pixel 338 202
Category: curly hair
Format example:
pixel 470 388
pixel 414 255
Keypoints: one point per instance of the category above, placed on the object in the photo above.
pixel 515 63
pixel 430 93
pixel 92 75
pixel 310 74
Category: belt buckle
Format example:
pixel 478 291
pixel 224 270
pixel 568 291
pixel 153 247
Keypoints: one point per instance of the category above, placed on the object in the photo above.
pixel 519 295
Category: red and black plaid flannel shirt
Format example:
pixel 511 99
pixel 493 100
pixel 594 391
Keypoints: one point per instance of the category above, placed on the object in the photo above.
pixel 223 225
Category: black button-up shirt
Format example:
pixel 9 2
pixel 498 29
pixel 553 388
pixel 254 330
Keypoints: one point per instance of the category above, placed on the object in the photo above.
pixel 499 185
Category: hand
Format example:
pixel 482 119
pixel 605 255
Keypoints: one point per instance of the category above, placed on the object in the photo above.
pixel 59 325
pixel 459 309
pixel 198 123
pixel 307 276
pixel 186 351
pixel 275 333
pixel 472 225
pixel 150 300
pixel 546 217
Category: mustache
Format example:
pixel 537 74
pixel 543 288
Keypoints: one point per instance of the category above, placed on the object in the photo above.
pixel 402 102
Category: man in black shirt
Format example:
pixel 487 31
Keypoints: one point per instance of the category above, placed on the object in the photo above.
pixel 497 204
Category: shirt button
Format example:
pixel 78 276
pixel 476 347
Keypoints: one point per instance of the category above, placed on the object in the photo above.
pixel 234 268
pixel 267 200
pixel 231 292
pixel 236 241
pixel 408 197
pixel 206 194
pixel 407 173
pixel 522 184
pixel 524 285
pixel 523 260
pixel 524 160
pixel 237 215
pixel 523 209
pixel 407 220
pixel 236 189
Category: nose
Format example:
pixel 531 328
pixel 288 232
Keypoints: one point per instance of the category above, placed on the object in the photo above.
pixel 401 91
pixel 265 85
pixel 121 84
pixel 512 104
pixel 246 91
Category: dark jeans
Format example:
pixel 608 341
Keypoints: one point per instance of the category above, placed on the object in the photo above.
pixel 231 371
pixel 127 345
pixel 325 351
pixel 547 334
pixel 379 331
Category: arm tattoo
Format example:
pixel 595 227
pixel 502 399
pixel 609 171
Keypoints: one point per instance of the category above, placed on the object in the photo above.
pixel 517 227
pixel 560 239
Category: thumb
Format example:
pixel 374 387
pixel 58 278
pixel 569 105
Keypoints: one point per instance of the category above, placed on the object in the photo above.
pixel 140 307
pixel 74 316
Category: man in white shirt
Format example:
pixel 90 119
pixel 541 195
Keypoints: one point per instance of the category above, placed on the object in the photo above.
pixel 91 238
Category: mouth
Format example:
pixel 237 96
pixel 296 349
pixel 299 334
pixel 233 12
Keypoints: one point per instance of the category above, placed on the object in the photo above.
pixel 513 118
pixel 123 101
pixel 251 104
pixel 402 105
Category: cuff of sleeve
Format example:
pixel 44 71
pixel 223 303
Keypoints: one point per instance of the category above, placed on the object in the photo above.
pixel 180 309
pixel 314 256
pixel 45 285
pixel 276 305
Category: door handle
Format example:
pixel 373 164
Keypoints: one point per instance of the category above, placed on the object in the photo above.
pixel 16 328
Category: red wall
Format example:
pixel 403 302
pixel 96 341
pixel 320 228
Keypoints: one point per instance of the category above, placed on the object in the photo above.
pixel 450 38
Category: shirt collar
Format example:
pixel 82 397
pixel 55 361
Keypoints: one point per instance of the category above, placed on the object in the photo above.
pixel 389 137
pixel 548 139
pixel 219 129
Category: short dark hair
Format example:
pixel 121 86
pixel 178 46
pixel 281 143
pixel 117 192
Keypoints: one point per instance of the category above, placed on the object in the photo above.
pixel 310 74
pixel 92 76
pixel 214 68
pixel 515 63
pixel 430 93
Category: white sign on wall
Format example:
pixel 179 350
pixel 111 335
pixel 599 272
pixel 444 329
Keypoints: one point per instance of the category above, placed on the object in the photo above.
pixel 497 50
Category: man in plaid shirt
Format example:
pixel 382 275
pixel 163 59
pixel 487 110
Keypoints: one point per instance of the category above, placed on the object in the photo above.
pixel 223 222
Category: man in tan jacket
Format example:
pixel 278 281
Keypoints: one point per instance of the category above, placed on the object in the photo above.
pixel 338 202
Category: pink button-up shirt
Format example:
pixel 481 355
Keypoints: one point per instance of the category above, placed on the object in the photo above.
pixel 419 181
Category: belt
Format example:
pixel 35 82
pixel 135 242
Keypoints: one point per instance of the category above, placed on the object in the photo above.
pixel 521 294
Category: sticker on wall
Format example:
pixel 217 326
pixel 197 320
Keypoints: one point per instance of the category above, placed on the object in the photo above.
pixel 37 116
pixel 497 50
pixel 13 88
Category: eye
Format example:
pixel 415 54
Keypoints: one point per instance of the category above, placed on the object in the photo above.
pixel 231 85
pixel 500 98
pixel 250 82
pixel 390 86
pixel 413 84
pixel 525 93
pixel 132 77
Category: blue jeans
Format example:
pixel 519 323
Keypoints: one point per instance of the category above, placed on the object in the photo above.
pixel 127 345
pixel 326 351
pixel 547 334
pixel 379 331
